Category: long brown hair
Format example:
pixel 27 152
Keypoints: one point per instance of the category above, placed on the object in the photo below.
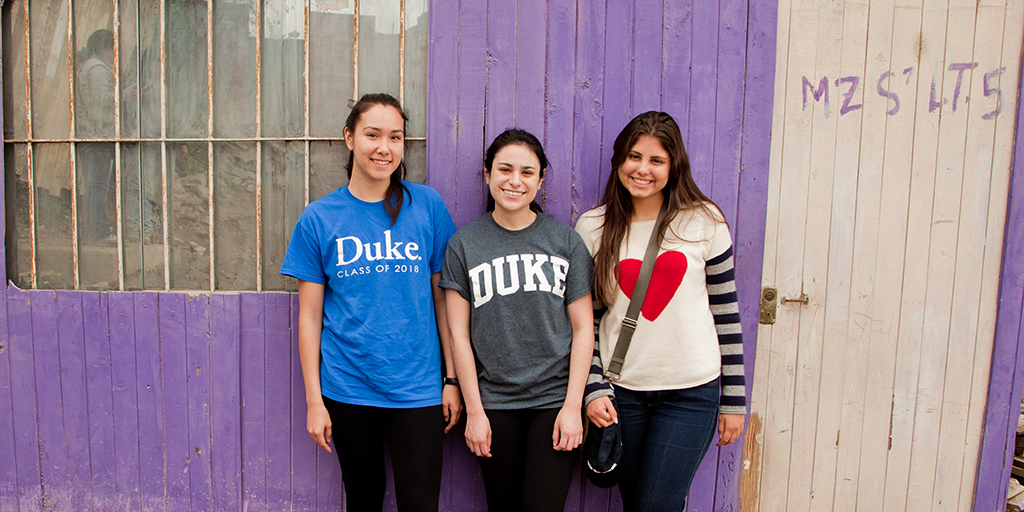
pixel 680 191
pixel 395 194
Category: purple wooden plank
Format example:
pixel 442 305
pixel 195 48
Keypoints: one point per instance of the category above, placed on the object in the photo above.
pixel 303 462
pixel 198 364
pixel 224 395
pixel 558 136
pixel 96 331
pixel 618 65
pixel 500 71
pixel 278 418
pixel 675 66
pixel 468 493
pixel 71 342
pixel 26 433
pixel 588 152
pixel 732 40
pixel 8 472
pixel 253 377
pixel 46 352
pixel 702 490
pixel 574 500
pixel 126 406
pixel 730 465
pixel 175 375
pixel 150 408
pixel 595 498
pixel 647 55
pixel 1007 375
pixel 530 66
pixel 470 198
pixel 700 140
pixel 442 99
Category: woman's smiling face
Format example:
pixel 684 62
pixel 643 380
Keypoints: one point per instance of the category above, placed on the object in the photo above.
pixel 514 179
pixel 646 169
pixel 377 143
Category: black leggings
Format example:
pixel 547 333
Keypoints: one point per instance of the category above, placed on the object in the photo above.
pixel 524 471
pixel 415 439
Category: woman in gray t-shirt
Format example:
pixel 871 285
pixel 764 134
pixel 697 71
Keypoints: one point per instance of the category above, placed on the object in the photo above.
pixel 518 300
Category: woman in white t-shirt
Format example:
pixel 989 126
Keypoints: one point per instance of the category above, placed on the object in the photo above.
pixel 683 374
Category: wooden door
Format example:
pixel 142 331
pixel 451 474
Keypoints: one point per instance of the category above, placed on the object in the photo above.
pixel 891 153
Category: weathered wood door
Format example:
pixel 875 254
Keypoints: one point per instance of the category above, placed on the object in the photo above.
pixel 891 153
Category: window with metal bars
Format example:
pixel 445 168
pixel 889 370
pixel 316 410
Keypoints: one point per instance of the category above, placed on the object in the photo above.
pixel 173 145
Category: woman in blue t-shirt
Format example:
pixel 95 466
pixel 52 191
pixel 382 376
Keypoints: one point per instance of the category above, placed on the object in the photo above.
pixel 518 296
pixel 372 325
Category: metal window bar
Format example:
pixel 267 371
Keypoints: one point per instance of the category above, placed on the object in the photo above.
pixel 74 140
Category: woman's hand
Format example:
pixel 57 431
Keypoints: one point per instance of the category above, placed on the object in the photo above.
pixel 318 424
pixel 568 432
pixel 730 426
pixel 451 405
pixel 602 413
pixel 478 434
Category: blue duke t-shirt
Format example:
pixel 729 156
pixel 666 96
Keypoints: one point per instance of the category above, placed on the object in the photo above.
pixel 379 345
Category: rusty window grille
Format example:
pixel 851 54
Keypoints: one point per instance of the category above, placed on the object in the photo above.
pixel 172 146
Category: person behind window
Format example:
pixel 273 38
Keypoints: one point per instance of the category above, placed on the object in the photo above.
pixel 372 325
pixel 95 100
pixel 687 351
pixel 518 296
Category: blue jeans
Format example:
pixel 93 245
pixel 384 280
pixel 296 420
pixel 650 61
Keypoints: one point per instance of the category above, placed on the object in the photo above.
pixel 665 435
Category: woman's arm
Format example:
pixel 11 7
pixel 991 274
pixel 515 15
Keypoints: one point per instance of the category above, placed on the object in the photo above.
pixel 478 428
pixel 721 285
pixel 311 323
pixel 568 431
pixel 451 399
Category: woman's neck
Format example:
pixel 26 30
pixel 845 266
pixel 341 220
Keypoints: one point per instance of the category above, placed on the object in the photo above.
pixel 647 208
pixel 370 191
pixel 514 221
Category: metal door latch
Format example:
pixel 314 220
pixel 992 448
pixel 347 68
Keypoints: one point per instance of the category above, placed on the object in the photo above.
pixel 769 295
pixel 804 299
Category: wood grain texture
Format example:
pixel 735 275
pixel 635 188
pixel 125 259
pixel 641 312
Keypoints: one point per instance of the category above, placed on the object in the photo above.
pixel 146 309
pixel 280 344
pixel 74 399
pixel 252 375
pixel 225 394
pixel 1007 360
pixel 26 431
pixel 175 375
pixel 588 109
pixel 471 82
pixel 560 69
pixel 46 354
pixel 121 318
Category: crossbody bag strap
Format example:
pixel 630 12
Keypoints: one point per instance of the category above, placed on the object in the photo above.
pixel 629 322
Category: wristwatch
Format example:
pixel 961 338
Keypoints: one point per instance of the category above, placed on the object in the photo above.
pixel 451 381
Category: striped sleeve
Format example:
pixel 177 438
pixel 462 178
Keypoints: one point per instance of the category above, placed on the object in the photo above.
pixel 597 384
pixel 721 283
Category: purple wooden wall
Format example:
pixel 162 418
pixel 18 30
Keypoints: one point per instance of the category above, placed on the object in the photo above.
pixel 574 72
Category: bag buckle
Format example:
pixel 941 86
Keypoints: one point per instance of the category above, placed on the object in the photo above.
pixel 612 376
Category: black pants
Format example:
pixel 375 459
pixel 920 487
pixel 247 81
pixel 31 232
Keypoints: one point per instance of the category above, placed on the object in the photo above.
pixel 524 472
pixel 415 439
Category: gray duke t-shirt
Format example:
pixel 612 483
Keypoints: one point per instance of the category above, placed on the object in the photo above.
pixel 518 284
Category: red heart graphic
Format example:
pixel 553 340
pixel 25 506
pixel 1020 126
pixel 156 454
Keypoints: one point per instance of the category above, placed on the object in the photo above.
pixel 669 269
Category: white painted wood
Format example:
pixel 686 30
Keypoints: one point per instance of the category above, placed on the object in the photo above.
pixel 891 219
pixel 1011 16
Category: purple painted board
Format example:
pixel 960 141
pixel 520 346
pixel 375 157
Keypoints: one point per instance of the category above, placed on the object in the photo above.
pixel 1007 374
pixel 618 63
pixel 470 198
pixel 71 341
pixel 8 470
pixel 95 328
pixel 702 490
pixel 647 55
pixel 126 406
pixel 730 464
pixel 224 396
pixel 443 99
pixel 500 71
pixel 700 139
pixel 588 153
pixel 252 382
pixel 148 390
pixel 675 66
pixel 467 483
pixel 303 461
pixel 574 500
pixel 175 375
pixel 732 40
pixel 49 407
pixel 279 424
pixel 530 66
pixel 748 230
pixel 26 434
pixel 328 482
pixel 198 365
pixel 558 111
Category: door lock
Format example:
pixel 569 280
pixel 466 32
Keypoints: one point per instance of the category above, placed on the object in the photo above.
pixel 769 296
